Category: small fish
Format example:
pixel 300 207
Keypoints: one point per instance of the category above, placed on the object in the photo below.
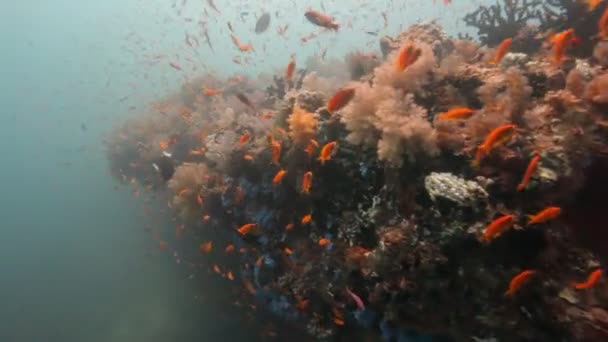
pixel 306 182
pixel 324 242
pixel 206 247
pixel 278 178
pixel 501 51
pixel 175 66
pixel 311 147
pixel 289 226
pixel 498 136
pixel 262 24
pixel 182 192
pixel 560 42
pixel 547 214
pixel 246 228
pixel 532 166
pixel 216 269
pixel 326 152
pixel 407 56
pixel 229 275
pixel 458 113
pixel 199 200
pixel 242 47
pixel 162 245
pixel 603 25
pixel 212 4
pixel 306 219
pixel 497 227
pixel 592 4
pixel 244 138
pixel 320 19
pixel 372 33
pixel 518 281
pixel 229 248
pixel 291 67
pixel 230 27
pixel 592 279
pixel 211 92
pixel 245 100
pixel 340 99
pixel 356 298
pixel 276 152
pixel 288 251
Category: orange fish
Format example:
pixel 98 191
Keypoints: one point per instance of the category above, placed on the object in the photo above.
pixel 291 67
pixel 276 152
pixel 501 51
pixel 244 138
pixel 592 279
pixel 288 251
pixel 229 275
pixel 242 47
pixel 199 200
pixel 163 145
pixel 592 4
pixel 206 247
pixel 306 219
pixel 182 192
pixel 324 242
pixel 498 136
pixel 603 25
pixel 278 178
pixel 321 19
pixel 407 56
pixel 457 113
pixel 326 152
pixel 216 269
pixel 560 42
pixel 545 215
pixel 206 218
pixel 248 157
pixel 340 99
pixel 162 245
pixel 306 182
pixel 518 281
pixel 497 227
pixel 289 226
pixel 529 172
pixel 229 248
pixel 211 92
pixel 310 148
pixel 246 228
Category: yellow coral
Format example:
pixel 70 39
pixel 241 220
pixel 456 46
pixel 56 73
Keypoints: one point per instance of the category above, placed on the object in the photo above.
pixel 302 125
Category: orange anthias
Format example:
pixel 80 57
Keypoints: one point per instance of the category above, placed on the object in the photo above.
pixel 278 178
pixel 547 214
pixel 458 113
pixel 407 56
pixel 306 219
pixel 501 51
pixel 603 25
pixel 246 228
pixel 244 138
pixel 324 242
pixel 532 166
pixel 497 227
pixel 592 279
pixel 276 152
pixel 311 147
pixel 326 152
pixel 498 136
pixel 518 281
pixel 340 99
pixel 211 92
pixel 306 182
pixel 560 42
pixel 291 67
pixel 206 247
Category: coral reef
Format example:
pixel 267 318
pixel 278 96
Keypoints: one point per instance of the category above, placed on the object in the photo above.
pixel 403 229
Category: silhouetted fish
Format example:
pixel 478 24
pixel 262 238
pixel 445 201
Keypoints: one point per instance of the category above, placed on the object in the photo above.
pixel 262 23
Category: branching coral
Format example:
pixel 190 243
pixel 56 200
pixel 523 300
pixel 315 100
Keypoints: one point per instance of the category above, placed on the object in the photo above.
pixel 499 21
pixel 358 115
